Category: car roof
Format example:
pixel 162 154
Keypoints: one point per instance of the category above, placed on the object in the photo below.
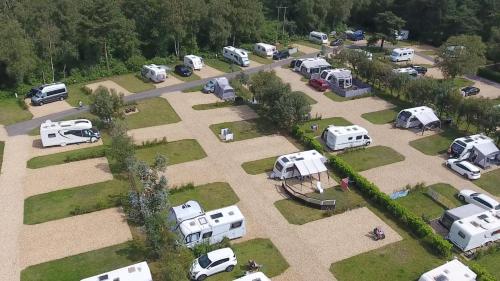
pixel 488 199
pixel 220 253
pixel 469 165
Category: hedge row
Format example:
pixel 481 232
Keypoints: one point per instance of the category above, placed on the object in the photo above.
pixel 308 141
pixel 489 74
pixel 415 223
pixel 482 273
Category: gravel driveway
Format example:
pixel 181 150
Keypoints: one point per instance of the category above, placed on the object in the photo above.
pixel 110 85
pixel 46 109
pixel 208 72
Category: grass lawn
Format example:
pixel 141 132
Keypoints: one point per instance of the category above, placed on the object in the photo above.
pixel 152 112
pixel 491 262
pixel 2 146
pixel 419 203
pixel 448 192
pixel 297 213
pixel 211 196
pixel 65 157
pixel 132 83
pixel 371 157
pixel 193 89
pixel 308 44
pixel 11 112
pixel 84 265
pixel 222 65
pixel 246 129
pixel 334 97
pixel 323 124
pixel 193 77
pixel 214 105
pixel 65 203
pixel 490 182
pixel 259 59
pixel 76 94
pixel 262 251
pixel 436 144
pixel 310 100
pixel 176 152
pixel 381 117
pixel 259 166
pixel 461 82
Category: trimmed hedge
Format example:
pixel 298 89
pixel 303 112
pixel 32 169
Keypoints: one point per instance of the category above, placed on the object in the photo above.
pixel 309 141
pixel 489 74
pixel 415 223
pixel 482 273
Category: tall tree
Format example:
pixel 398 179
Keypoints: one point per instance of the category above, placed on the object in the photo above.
pixel 217 26
pixel 107 104
pixel 461 55
pixel 246 20
pixel 387 24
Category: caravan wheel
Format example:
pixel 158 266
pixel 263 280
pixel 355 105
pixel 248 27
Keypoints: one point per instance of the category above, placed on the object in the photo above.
pixel 61 98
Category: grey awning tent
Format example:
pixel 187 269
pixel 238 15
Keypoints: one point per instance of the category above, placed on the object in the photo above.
pixel 426 117
pixel 223 90
pixel 485 153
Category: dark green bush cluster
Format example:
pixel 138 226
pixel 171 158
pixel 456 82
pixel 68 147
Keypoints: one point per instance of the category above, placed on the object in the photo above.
pixel 482 273
pixel 489 74
pixel 308 141
pixel 91 155
pixel 150 143
pixel 416 224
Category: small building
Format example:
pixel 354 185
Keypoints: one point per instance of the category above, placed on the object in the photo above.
pixel 135 272
pixel 451 271
pixel 223 90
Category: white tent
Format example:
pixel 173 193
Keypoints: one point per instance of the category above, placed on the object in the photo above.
pixel 426 117
pixel 309 167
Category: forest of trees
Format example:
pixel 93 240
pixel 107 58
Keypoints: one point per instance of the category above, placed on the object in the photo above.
pixel 51 39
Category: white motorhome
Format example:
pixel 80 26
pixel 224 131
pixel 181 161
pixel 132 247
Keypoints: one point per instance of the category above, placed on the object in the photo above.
pixel 264 50
pixel 421 116
pixel 340 77
pixel 475 231
pixel 135 272
pixel 195 62
pixel 312 68
pixel 342 137
pixel 68 132
pixel 291 165
pixel 154 73
pixel 318 37
pixel 402 54
pixel 186 211
pixel 406 70
pixel 451 271
pixel 238 56
pixel 479 149
pixel 212 226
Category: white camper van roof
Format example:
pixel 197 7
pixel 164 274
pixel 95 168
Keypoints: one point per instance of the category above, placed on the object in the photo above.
pixel 212 219
pixel 401 50
pixel 314 63
pixel 479 223
pixel 423 113
pixel 236 50
pixel 451 271
pixel 188 210
pixel 307 162
pixel 74 124
pixel 135 272
pixel 341 73
pixel 346 130
pixel 193 57
pixel 475 139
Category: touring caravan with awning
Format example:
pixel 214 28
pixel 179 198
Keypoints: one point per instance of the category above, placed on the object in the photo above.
pixel 421 117
pixel 342 137
pixel 475 231
pixel 303 163
pixel 135 272
pixel 478 149
pixel 451 271
pixel 340 77
pixel 68 132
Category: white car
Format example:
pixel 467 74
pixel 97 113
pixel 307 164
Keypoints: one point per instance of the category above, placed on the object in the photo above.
pixel 479 199
pixel 464 168
pixel 212 263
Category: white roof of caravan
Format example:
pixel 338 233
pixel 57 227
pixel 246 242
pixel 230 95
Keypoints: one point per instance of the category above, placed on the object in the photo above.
pixel 266 45
pixel 475 139
pixel 346 130
pixel 424 114
pixel 314 62
pixel 212 218
pixel 298 156
pixel 192 57
pixel 479 223
pixel 317 33
pixel 404 70
pixel 78 123
pixel 341 72
pixel 236 50
pixel 465 211
pixel 256 276
pixel 135 272
pixel 451 271
pixel 403 49
pixel 487 148
pixel 188 210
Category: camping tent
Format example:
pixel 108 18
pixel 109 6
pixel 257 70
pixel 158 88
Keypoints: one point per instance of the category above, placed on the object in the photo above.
pixel 310 166
pixel 485 153
pixel 427 117
pixel 223 90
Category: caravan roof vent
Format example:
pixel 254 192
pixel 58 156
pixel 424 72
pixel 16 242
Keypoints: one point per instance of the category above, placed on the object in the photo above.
pixel 202 220
pixel 483 217
pixel 192 223
pixel 216 216
pixel 231 213
pixel 441 278
pixel 131 269
pixel 103 277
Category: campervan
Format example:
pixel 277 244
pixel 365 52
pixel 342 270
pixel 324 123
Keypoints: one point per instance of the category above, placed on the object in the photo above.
pixel 237 56
pixel 135 272
pixel 421 116
pixel 462 212
pixel 186 211
pixel 368 55
pixel 154 73
pixel 293 165
pixel 264 50
pixel 195 62
pixel 318 37
pixel 451 271
pixel 48 93
pixel 406 70
pixel 255 276
pixel 402 54
pixel 312 68
pixel 212 227
pixel 475 231
pixel 340 77
pixel 68 132
pixel 342 137
pixel 402 34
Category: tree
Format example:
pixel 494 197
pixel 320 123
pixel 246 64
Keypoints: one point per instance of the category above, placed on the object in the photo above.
pixel 461 55
pixel 106 105
pixel 122 146
pixel 289 110
pixel 268 88
pixel 247 18
pixel 387 23
pixel 217 27
pixel 494 45
pixel 448 98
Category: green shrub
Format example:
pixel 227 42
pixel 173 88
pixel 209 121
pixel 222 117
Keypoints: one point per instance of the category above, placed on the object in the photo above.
pixel 204 248
pixel 182 188
pixel 79 157
pixel 489 74
pixel 150 143
pixel 309 142
pixel 482 273
pixel 22 103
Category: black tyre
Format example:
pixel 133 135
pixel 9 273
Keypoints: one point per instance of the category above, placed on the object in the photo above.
pixel 461 198
pixel 201 277
pixel 229 268
pixel 40 103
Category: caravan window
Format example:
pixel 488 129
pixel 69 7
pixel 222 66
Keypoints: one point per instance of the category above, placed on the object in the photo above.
pixel 52 135
pixel 278 166
pixel 366 137
pixel 350 138
pixel 207 235
pixel 315 70
pixel 236 224
pixel 359 137
pixel 404 115
pixel 323 75
pixel 77 133
pixel 193 237
pixel 461 234
pixel 289 169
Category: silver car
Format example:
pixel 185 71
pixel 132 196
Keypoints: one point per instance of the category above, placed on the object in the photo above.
pixel 479 199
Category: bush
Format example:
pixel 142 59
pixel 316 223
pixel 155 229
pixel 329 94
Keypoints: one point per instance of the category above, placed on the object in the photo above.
pixel 204 248
pixel 22 103
pixel 150 143
pixel 135 62
pixel 79 157
pixel 308 141
pixel 488 73
pixel 482 273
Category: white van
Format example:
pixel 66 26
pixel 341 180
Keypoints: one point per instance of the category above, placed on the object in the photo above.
pixel 68 132
pixel 342 137
pixel 238 56
pixel 195 62
pixel 256 276
pixel 264 50
pixel 318 37
pixel 154 73
pixel 402 54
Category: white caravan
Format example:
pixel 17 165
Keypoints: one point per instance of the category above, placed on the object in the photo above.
pixel 68 132
pixel 342 137
pixel 291 165
pixel 136 272
pixel 462 148
pixel 312 68
pixel 154 73
pixel 211 227
pixel 299 62
pixel 462 212
pixel 238 56
pixel 318 37
pixel 195 62
pixel 416 117
pixel 256 276
pixel 264 50
pixel 340 77
pixel 406 70
pixel 402 54
pixel 451 271
pixel 402 34
pixel 186 211
pixel 475 231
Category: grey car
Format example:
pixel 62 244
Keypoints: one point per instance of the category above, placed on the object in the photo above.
pixel 209 87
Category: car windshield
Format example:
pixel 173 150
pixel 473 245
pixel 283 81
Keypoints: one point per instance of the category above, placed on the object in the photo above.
pixel 497 207
pixel 204 261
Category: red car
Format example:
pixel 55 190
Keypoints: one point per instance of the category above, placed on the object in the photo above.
pixel 319 84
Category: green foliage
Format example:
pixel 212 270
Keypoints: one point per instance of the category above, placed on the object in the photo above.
pixel 461 55
pixel 310 142
pixel 482 273
pixel 122 146
pixel 203 248
pixel 489 73
pixel 107 104
pixel 386 23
